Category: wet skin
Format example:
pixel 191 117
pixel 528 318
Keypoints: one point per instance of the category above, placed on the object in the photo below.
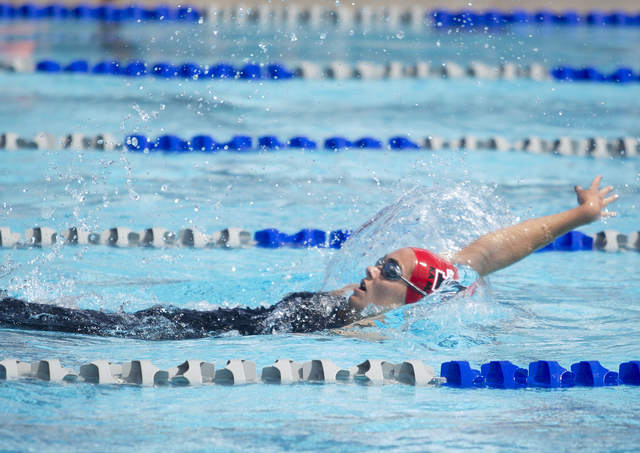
pixel 376 289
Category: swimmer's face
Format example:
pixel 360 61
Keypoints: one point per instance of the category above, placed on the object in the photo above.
pixel 376 289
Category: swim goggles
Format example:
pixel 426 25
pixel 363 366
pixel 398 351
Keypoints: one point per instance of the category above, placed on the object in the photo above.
pixel 392 271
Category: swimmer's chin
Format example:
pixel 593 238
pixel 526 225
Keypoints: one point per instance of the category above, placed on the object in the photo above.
pixel 357 303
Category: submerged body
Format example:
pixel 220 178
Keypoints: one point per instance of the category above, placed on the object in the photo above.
pixel 297 312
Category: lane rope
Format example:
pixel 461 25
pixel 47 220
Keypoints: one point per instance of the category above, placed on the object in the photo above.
pixel 573 241
pixel 367 16
pixel 598 147
pixel 373 372
pixel 334 70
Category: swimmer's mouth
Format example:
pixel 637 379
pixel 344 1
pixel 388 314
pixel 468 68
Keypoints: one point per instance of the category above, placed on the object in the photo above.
pixel 362 287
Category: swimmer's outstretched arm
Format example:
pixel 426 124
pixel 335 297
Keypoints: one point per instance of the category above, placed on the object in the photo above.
pixel 502 248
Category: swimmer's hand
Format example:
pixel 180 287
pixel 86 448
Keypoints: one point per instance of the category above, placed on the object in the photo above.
pixel 593 200
pixel 345 290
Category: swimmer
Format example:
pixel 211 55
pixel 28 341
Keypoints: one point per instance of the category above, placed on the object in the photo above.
pixel 401 277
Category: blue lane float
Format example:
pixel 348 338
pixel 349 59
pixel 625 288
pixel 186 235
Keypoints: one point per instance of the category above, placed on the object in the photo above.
pixel 589 74
pixel 222 71
pixel 48 66
pixel 106 13
pixel 165 70
pixel 629 373
pixel 444 18
pixel 79 66
pixel 592 374
pixel 459 374
pixel 272 238
pixel 250 71
pixel 549 374
pixel 337 143
pixel 302 142
pixel 204 143
pixel 402 143
pixel 570 242
pixel 238 143
pixel 270 142
pixel 278 71
pixel 504 374
pixel 368 143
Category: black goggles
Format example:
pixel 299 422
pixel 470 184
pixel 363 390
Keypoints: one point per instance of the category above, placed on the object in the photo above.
pixel 392 271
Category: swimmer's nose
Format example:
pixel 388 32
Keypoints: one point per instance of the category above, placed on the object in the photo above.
pixel 372 271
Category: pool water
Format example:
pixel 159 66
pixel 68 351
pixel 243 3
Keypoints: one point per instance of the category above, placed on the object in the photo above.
pixel 552 306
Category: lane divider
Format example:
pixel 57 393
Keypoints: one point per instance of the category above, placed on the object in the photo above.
pixel 367 16
pixel 372 372
pixel 161 237
pixel 573 241
pixel 598 147
pixel 302 69
pixel 334 70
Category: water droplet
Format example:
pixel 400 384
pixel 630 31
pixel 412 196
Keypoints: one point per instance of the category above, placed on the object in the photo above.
pixel 293 37
pixel 323 36
pixel 196 208
pixel 400 34
pixel 46 212
pixel 164 188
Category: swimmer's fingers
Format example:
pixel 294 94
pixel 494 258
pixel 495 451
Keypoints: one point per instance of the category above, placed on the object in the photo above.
pixel 607 201
pixel 596 183
pixel 605 190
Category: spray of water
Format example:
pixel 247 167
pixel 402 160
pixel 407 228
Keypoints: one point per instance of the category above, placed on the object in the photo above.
pixel 441 219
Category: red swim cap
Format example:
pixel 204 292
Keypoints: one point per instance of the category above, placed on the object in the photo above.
pixel 428 273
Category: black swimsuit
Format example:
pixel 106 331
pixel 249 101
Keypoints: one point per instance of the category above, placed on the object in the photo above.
pixel 297 313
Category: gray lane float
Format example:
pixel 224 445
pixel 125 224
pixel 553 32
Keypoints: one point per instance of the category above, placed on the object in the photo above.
pixel 51 370
pixel 101 372
pixel 284 371
pixel 237 371
pixel 192 372
pixel 323 370
pixel 13 369
pixel 143 372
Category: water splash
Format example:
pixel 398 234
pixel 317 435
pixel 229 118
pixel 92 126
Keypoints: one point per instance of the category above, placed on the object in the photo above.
pixel 144 115
pixel 441 219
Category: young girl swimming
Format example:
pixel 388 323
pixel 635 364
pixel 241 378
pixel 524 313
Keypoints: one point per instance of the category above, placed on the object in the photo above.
pixel 403 276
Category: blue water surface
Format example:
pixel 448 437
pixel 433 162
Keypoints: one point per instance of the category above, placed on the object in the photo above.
pixel 551 306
